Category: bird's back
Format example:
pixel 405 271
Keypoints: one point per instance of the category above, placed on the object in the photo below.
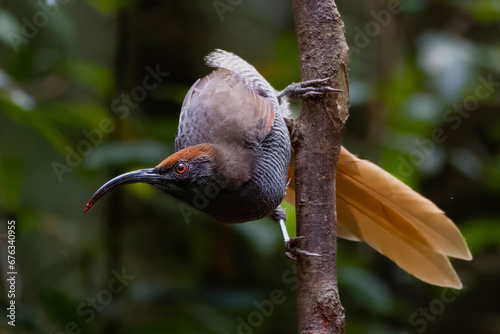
pixel 221 109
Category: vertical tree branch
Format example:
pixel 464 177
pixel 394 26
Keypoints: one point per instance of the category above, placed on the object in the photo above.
pixel 316 139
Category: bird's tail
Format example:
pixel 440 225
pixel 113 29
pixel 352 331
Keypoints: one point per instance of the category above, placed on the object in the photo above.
pixel 375 207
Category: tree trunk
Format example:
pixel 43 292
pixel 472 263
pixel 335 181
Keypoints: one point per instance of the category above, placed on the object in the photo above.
pixel 316 138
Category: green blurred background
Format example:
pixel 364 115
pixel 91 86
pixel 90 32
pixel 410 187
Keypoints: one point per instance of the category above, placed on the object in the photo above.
pixel 424 81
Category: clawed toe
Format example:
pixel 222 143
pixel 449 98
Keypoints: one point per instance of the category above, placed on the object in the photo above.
pixel 293 252
pixel 305 89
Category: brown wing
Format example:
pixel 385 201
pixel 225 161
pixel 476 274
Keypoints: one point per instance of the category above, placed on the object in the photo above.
pixel 220 108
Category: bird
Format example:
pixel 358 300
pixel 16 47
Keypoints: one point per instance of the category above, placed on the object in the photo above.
pixel 232 140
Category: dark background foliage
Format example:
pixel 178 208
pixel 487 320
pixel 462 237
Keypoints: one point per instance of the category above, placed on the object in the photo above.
pixel 420 108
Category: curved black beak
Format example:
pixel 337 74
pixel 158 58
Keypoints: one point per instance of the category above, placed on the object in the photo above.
pixel 138 176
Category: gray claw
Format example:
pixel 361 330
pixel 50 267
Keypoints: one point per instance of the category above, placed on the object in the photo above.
pixel 313 82
pixel 308 94
pixel 303 252
pixel 332 89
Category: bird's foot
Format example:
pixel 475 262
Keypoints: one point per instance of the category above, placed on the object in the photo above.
pixel 293 252
pixel 306 89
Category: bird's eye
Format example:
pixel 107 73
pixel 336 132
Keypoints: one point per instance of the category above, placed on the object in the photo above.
pixel 181 168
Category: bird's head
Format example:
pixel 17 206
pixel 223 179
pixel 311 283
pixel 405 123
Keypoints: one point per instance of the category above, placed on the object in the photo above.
pixel 177 175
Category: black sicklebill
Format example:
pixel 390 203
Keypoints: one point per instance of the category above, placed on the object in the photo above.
pixel 232 135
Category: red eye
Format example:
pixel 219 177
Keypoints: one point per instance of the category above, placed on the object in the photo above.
pixel 181 168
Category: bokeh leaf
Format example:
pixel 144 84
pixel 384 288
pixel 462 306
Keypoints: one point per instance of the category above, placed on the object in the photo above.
pixel 481 233
pixel 367 289
pixel 12 174
pixel 90 74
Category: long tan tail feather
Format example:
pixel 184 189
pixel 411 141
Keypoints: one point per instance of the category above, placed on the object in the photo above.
pixel 375 207
pixel 415 258
pixel 398 205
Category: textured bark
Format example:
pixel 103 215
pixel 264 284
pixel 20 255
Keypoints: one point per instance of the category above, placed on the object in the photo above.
pixel 316 139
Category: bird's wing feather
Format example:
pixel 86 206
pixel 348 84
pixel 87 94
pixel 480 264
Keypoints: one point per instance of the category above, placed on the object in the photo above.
pixel 375 207
pixel 252 78
pixel 223 100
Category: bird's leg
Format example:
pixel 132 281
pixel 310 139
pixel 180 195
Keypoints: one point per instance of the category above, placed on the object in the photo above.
pixel 306 89
pixel 292 251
